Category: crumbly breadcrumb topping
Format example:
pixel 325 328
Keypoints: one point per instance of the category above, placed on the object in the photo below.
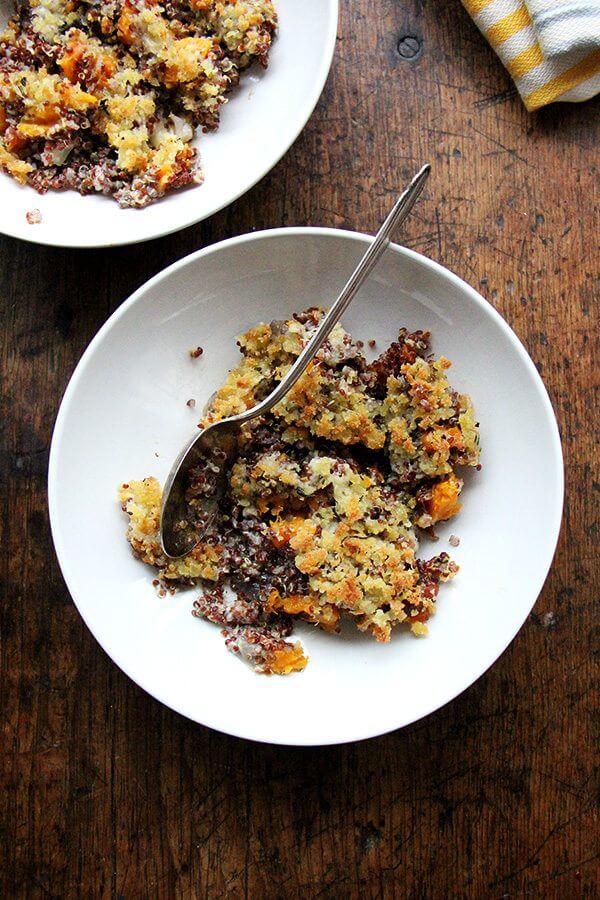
pixel 327 494
pixel 105 97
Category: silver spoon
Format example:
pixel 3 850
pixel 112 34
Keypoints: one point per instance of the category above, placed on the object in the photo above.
pixel 218 442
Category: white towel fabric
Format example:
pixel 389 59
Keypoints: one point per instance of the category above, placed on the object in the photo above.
pixel 550 47
pixel 566 26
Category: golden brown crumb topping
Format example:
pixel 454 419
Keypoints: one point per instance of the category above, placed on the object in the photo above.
pixel 327 493
pixel 105 96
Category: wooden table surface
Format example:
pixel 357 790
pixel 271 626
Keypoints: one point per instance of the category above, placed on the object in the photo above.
pixel 106 793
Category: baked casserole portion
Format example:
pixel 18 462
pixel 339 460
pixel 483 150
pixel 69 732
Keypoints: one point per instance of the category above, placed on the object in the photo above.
pixel 326 496
pixel 106 96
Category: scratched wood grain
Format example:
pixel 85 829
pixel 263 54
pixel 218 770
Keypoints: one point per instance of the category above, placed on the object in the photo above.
pixel 105 793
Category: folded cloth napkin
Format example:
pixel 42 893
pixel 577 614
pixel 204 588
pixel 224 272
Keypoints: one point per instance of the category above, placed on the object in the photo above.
pixel 550 47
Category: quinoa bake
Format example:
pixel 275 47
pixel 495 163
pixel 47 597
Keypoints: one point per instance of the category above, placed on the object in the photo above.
pixel 104 96
pixel 325 496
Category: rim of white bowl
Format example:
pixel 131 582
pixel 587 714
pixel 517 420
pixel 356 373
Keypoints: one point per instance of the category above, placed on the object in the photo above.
pixel 554 524
pixel 309 108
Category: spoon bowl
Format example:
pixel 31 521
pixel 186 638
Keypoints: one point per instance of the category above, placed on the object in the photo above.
pixel 217 443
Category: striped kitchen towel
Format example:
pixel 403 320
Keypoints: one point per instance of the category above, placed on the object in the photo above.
pixel 550 47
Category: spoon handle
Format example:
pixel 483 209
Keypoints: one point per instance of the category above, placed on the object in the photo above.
pixel 400 211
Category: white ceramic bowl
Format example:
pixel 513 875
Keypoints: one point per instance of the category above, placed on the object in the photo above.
pixel 262 119
pixel 124 416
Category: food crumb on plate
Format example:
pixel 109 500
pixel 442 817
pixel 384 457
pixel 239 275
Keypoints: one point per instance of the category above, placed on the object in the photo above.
pixel 453 540
pixel 196 352
pixel 33 216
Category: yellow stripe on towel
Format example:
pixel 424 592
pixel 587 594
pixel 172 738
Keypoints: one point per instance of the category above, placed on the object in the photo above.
pixel 564 82
pixel 525 61
pixel 475 6
pixel 508 25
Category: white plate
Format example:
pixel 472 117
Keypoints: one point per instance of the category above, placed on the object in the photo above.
pixel 124 416
pixel 262 119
